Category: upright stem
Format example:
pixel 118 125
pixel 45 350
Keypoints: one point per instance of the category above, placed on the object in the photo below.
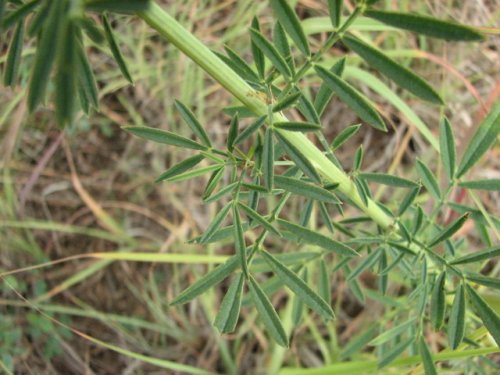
pixel 174 32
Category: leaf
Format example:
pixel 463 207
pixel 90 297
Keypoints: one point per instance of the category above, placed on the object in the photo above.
pixel 87 24
pixel 296 126
pixel 306 108
pixel 344 136
pixel 191 121
pixel 387 179
pixel 290 22
pixel 229 311
pixel 214 179
pixel 216 223
pixel 242 65
pixel 395 352
pixel 352 97
pixel 45 55
pixel 125 6
pixel 270 52
pixel 257 54
pixel 268 159
pixel 14 56
pixel 180 167
pixel 86 78
pixel 298 303
pixel 115 50
pixel 251 213
pixel 428 179
pixel 490 318
pixel 426 356
pixel 324 283
pixel 211 279
pixel 250 129
pixel 325 93
pixel 490 282
pixel 233 132
pixel 163 136
pixel 426 25
pixel 18 14
pixel 281 42
pixel 222 192
pixel 392 70
pixel 393 332
pixel 267 313
pixel 240 240
pixel 325 216
pixel 481 141
pixel 286 102
pixel 456 323
pixel 299 287
pixel 492 184
pixel 314 238
pixel 447 148
pixel 438 302
pixel 335 11
pixel 449 230
pixel 366 263
pixel 408 200
pixel 305 189
pixel 489 253
pixel 299 159
pixel 362 192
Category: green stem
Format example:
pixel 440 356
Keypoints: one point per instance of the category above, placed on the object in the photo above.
pixel 169 28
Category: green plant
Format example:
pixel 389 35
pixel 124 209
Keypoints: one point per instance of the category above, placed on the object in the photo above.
pixel 273 161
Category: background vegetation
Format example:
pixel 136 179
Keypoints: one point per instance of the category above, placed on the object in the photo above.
pixel 90 190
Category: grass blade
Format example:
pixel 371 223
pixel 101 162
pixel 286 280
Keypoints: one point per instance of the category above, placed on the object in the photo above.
pixel 163 136
pixel 456 323
pixel 267 313
pixel 426 25
pixel 191 121
pixel 352 97
pixel 392 70
pixel 290 22
pixel 229 311
pixel 447 148
pixel 298 286
pixel 489 317
pixel 314 238
pixel 305 189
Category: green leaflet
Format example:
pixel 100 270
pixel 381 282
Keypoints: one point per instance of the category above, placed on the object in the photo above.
pixel 18 15
pixel 408 200
pixel 180 167
pixel 358 342
pixel 306 107
pixel 489 253
pixel 393 353
pixel 216 223
pixel 305 189
pixel 492 184
pixel 344 136
pixel 366 263
pixel 251 213
pixel 240 68
pixel 115 50
pixel 335 11
pixel 296 126
pixel 393 332
pixel 270 52
pixel 426 356
pixel 195 173
pixel 267 313
pixel 242 65
pixel 438 302
pixel 288 19
pixel 211 279
pixel 325 93
pixel 299 159
pixel 491 282
pixel 299 287
pixel 222 192
pixel 163 136
pixel 86 23
pixel 314 238
pixel 392 70
pixel 483 138
pixel 86 78
pixel 257 54
pixel 425 25
pixel 298 304
pixel 239 239
pixel 489 317
pixel 14 56
pixel 428 179
pixel 229 311
pixel 447 148
pixel 324 289
pixel 281 42
pixel 268 159
pixel 286 102
pixel 233 132
pixel 250 129
pixel 352 97
pixel 191 121
pixel 45 55
pixel 449 230
pixel 456 323
pixel 126 6
pixel 387 179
